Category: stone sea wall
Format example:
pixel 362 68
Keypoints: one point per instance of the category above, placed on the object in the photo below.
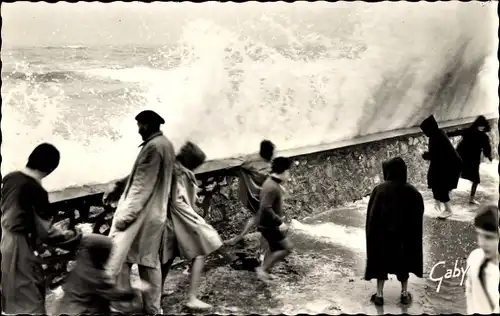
pixel 320 182
pixel 324 180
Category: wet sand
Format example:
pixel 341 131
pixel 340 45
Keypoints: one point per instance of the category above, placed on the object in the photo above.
pixel 324 274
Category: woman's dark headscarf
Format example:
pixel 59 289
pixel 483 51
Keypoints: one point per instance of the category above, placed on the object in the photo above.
pixel 395 170
pixel 429 126
pixel 191 156
pixel 481 121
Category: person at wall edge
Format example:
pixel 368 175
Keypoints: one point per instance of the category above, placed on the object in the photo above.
pixel 445 165
pixel 474 142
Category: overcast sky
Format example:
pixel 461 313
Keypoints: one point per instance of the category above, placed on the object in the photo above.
pixel 34 24
pixel 117 23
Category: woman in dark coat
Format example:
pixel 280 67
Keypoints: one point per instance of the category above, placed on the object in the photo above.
pixel 87 289
pixel 394 231
pixel 474 142
pixel 445 165
pixel 27 224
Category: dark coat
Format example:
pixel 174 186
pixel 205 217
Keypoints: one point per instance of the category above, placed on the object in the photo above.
pixel 27 218
pixel 87 289
pixel 394 225
pixel 445 163
pixel 473 143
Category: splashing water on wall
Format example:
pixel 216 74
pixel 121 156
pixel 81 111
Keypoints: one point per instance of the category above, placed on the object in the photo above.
pixel 370 69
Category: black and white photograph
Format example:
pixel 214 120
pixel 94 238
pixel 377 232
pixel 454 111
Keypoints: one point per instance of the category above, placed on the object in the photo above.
pixel 249 158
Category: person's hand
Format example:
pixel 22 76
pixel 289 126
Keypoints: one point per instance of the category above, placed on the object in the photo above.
pixel 283 228
pixel 109 196
pixel 120 225
pixel 69 234
pixel 84 228
pixel 106 197
pixel 141 285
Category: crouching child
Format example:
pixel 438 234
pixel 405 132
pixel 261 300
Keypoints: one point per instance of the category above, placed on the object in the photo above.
pixel 87 289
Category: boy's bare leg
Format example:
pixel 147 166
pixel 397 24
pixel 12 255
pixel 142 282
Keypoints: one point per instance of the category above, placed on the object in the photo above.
pixel 447 208
pixel 437 205
pixel 473 190
pixel 271 259
pixel 193 301
pixel 264 249
pixel 380 288
pixel 404 287
pixel 248 226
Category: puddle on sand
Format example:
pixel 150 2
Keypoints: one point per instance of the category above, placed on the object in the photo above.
pixel 340 263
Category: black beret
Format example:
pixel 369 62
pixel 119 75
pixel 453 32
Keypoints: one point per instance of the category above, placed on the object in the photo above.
pixel 149 117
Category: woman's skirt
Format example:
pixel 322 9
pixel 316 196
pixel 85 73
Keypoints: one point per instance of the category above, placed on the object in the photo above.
pixel 188 235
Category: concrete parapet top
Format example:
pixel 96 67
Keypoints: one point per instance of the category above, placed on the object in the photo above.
pixel 228 163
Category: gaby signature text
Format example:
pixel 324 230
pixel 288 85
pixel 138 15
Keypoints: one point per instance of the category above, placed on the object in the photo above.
pixel 456 272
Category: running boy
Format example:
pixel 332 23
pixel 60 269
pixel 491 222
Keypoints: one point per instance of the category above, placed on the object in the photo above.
pixel 270 214
pixel 483 274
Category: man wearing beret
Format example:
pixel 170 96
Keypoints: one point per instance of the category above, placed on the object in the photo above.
pixel 139 220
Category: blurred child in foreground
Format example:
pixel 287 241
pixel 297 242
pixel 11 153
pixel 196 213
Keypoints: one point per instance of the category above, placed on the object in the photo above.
pixel 88 289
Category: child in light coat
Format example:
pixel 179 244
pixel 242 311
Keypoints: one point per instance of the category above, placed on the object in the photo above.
pixel 483 273
pixel 187 234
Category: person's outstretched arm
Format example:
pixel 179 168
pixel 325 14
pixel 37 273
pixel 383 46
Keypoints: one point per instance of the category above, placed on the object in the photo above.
pixel 115 192
pixel 46 232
